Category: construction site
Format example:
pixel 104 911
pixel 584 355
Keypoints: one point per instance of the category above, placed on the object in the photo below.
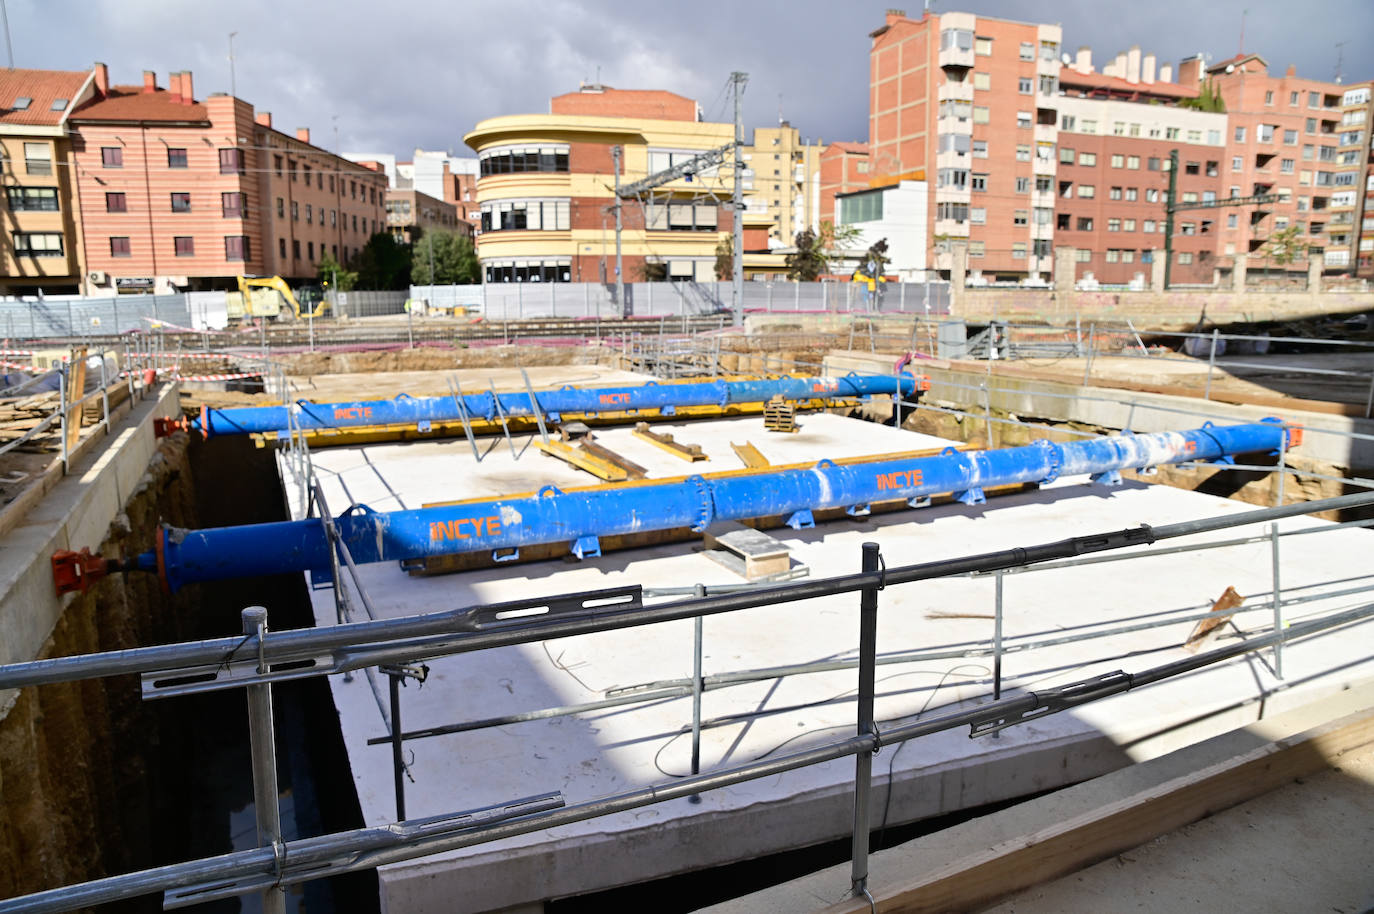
pixel 843 612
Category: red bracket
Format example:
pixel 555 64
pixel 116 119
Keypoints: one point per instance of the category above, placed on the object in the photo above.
pixel 77 571
pixel 164 426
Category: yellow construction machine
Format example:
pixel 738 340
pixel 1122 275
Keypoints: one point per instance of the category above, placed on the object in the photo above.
pixel 263 296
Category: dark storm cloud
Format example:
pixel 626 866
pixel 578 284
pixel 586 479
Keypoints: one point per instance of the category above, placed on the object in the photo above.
pixel 422 73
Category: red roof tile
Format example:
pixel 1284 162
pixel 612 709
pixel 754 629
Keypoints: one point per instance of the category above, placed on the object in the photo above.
pixel 131 103
pixel 850 147
pixel 1069 77
pixel 42 86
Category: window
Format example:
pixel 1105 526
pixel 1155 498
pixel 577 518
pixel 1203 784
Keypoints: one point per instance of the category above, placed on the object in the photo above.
pixel 295 211
pixel 1118 161
pixel 32 199
pixel 1187 228
pixel 957 212
pixel 1113 225
pixel 1025 85
pixel 1311 126
pixel 1020 217
pixel 236 247
pixel 552 215
pixel 1023 120
pixel 310 250
pixel 1148 225
pixel 980 149
pixel 1049 50
pixel 977 215
pixel 232 205
pixel 1049 85
pixel 1018 250
pixel 276 165
pixel 1043 215
pixel 1087 190
pixel 119 246
pixel 22 103
pixel 1083 255
pixel 1286 166
pixel 1151 195
pixel 295 249
pixel 1231 220
pixel 1027 51
pixel 1269 97
pixel 1314 99
pixel 38 244
pixel 1189 196
pixel 953 142
pixel 1209 196
pixel 976 248
pixel 281 248
pixel 116 203
pixel 181 203
pixel 1293 99
pixel 960 39
pixel 979 182
pixel 305 169
pixel 231 162
pixel 111 157
pixel 1114 193
pixel 1185 257
pixel 1237 163
pixel 309 214
pixel 331 184
pixel 951 177
pixel 281 208
pixel 982 46
pixel 980 114
pixel 1131 194
pixel 1118 128
pixel 1153 163
pixel 332 218
pixel 1265 133
pixel 1170 133
pixel 1023 153
pixel 1023 185
pixel 1066 122
pixel 982 81
pixel 1113 255
pixel 184 246
pixel 1192 168
pixel 1089 125
pixel 1326 153
pixel 176 158
pixel 1087 158
pixel 1195 136
pixel 1290 138
pixel 1066 155
pixel 291 169
pixel 37 158
pixel 1128 225
pixel 1303 204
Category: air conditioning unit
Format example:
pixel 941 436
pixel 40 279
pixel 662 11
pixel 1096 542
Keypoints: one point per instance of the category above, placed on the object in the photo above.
pixel 98 277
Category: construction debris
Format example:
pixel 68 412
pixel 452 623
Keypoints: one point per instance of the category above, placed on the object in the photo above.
pixel 1207 630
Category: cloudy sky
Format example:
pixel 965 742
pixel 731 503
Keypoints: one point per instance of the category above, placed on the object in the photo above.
pixel 423 72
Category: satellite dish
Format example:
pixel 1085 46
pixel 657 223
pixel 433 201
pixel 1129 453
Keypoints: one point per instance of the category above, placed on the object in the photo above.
pixel 1230 68
pixel 1064 58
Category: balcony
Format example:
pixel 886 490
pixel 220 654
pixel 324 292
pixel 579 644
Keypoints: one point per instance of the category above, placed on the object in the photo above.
pixel 1046 67
pixel 1041 166
pixel 957 57
pixel 1046 133
pixel 949 228
pixel 955 92
pixel 952 159
pixel 953 195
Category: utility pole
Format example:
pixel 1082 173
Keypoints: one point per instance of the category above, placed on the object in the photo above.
pixel 616 152
pixel 1169 198
pixel 9 48
pixel 738 80
pixel 233 86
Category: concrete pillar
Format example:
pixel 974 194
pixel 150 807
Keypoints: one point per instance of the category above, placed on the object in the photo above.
pixel 1157 272
pixel 1315 258
pixel 1238 273
pixel 1065 268
pixel 958 272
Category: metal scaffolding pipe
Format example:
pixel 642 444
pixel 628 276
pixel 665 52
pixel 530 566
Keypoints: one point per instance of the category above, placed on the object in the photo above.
pixel 665 398
pixel 504 525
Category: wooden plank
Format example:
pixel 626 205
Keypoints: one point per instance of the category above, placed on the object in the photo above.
pixel 632 469
pixel 76 387
pixel 763 555
pixel 1207 630
pixel 1026 860
pixel 750 455
pixel 583 460
pixel 688 452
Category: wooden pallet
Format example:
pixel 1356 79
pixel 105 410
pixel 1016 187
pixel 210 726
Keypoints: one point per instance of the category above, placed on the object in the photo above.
pixel 780 416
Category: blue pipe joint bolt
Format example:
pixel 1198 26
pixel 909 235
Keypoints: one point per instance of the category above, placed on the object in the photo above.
pixel 706 511
pixel 1054 457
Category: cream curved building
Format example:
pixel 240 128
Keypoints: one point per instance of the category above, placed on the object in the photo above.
pixel 546 190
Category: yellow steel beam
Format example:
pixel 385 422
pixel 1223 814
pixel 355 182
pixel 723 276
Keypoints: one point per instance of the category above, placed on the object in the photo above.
pixel 583 460
pixel 750 455
pixel 688 452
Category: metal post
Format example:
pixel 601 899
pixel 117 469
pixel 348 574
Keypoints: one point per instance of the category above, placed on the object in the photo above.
pixel 104 394
pixel 987 411
pixel 1170 199
pixel 1369 400
pixel 697 683
pixel 410 324
pixel 1092 341
pixel 310 322
pixel 1211 364
pixel 398 767
pixel 738 80
pixel 1278 599
pixel 62 406
pixel 1283 468
pixel 863 761
pixel 997 640
pixel 616 153
pixel 262 745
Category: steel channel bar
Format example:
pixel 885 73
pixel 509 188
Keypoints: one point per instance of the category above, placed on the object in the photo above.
pixel 350 851
pixel 865 725
pixel 307 643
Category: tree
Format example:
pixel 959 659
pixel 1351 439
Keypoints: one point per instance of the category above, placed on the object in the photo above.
pixel 454 259
pixel 1284 246
pixel 1208 99
pixel 808 261
pixel 383 263
pixel 838 238
pixel 725 258
pixel 877 256
pixel 333 275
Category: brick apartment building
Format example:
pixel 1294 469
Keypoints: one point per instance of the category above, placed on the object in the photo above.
pixel 844 167
pixel 181 194
pixel 1355 157
pixel 410 214
pixel 40 245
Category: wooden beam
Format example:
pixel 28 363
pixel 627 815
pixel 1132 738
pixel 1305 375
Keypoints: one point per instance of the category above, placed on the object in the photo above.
pixel 1082 840
pixel 583 460
pixel 688 452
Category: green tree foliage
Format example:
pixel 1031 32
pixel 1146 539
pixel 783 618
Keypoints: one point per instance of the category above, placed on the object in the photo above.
pixel 808 261
pixel 837 238
pixel 383 263
pixel 334 276
pixel 1208 99
pixel 725 258
pixel 454 258
pixel 1285 246
pixel 877 255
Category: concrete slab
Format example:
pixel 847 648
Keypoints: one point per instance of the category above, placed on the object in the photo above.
pixel 607 752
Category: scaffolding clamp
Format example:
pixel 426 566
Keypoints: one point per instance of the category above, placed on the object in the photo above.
pixel 1050 701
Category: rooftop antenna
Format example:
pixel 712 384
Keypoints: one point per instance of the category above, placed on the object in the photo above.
pixel 1240 51
pixel 1340 58
pixel 780 121
pixel 233 86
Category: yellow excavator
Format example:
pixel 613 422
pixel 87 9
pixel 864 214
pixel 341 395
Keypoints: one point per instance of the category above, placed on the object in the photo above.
pixel 263 296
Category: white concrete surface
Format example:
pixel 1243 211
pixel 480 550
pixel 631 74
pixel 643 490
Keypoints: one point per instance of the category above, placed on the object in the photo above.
pixel 603 753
